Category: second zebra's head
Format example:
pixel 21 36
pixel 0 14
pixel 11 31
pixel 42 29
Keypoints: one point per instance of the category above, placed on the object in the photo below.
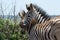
pixel 28 19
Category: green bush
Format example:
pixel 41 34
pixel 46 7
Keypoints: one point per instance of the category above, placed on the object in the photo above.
pixel 1 22
pixel 11 31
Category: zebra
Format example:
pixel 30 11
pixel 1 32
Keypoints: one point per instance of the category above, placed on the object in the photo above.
pixel 38 30
pixel 36 17
pixel 40 13
pixel 49 30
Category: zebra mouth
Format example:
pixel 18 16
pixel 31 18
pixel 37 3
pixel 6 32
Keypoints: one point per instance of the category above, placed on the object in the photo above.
pixel 24 24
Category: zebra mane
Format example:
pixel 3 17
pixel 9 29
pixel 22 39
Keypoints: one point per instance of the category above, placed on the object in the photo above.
pixel 41 11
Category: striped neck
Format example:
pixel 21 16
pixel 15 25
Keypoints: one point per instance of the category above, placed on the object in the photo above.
pixel 42 19
pixel 41 15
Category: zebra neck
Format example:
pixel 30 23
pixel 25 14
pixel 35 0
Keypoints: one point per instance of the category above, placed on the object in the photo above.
pixel 42 19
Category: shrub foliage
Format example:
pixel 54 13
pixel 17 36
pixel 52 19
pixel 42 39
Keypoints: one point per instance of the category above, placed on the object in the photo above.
pixel 11 31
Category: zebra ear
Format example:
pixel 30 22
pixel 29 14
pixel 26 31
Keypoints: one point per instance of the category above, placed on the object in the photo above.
pixel 29 7
pixel 22 14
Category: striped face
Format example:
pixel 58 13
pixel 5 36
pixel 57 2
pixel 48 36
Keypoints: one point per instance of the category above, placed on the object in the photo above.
pixel 27 19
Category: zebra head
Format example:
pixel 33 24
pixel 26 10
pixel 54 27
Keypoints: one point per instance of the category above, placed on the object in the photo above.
pixel 27 19
pixel 33 16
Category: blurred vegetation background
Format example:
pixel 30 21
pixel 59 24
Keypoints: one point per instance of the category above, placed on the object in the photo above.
pixel 9 24
pixel 11 31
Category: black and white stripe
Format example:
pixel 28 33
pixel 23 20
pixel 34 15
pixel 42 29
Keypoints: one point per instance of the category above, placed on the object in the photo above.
pixel 46 28
pixel 46 31
pixel 41 15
